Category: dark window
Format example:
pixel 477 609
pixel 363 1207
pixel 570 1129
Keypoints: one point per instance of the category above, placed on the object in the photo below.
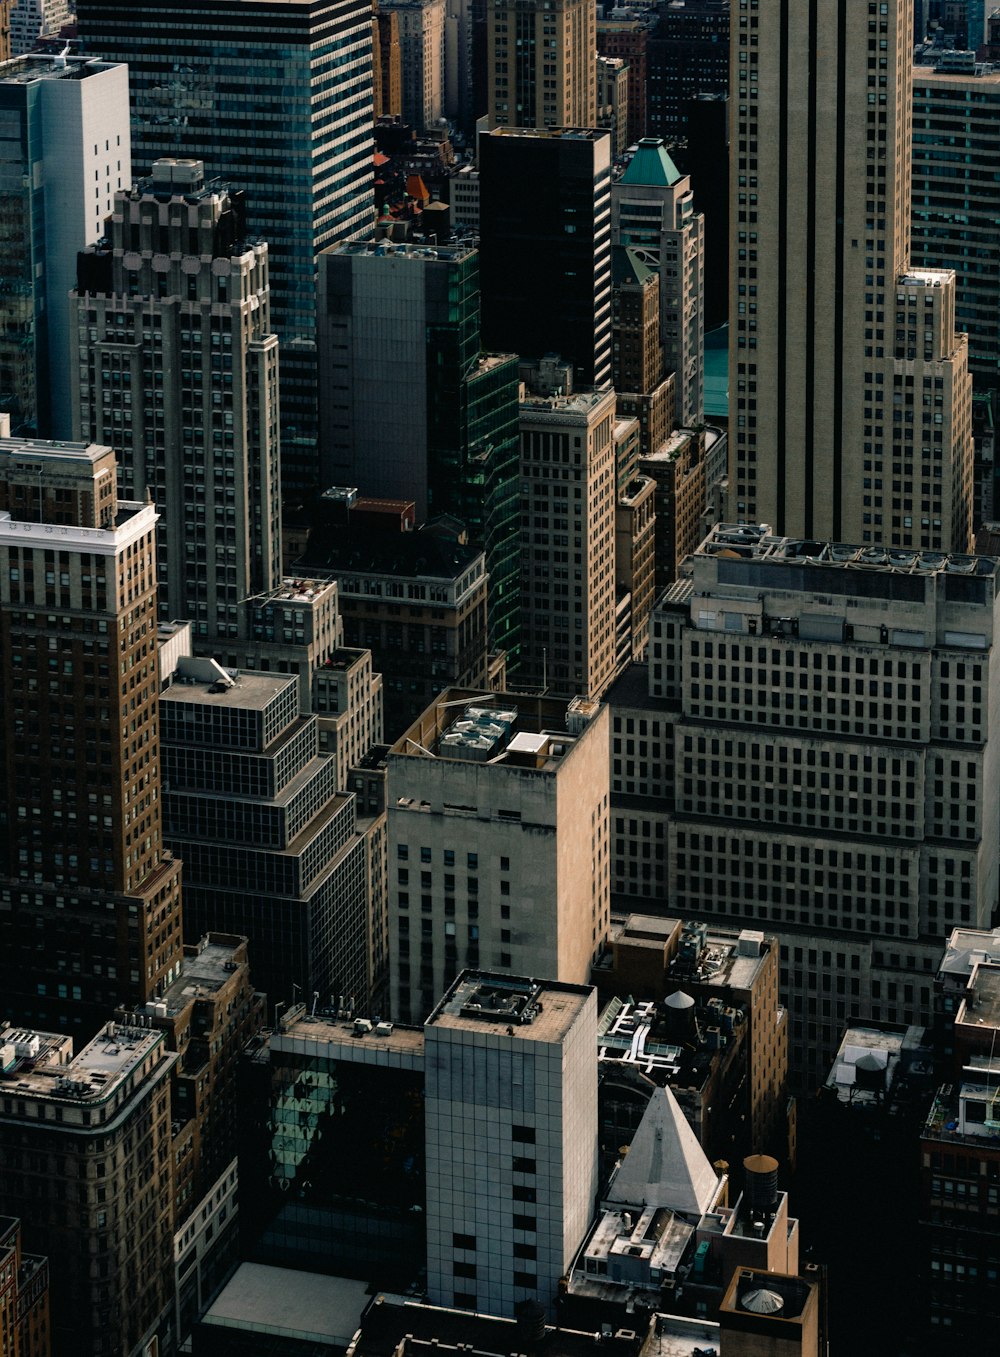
pixel 464 1241
pixel 525 1134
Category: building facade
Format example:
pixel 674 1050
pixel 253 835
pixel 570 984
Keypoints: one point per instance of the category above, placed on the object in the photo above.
pixel 828 772
pixel 502 863
pixel 173 363
pixel 113 1292
pixel 421 59
pixel 30 20
pixel 510 1083
pixel 687 55
pixel 853 397
pixel 569 490
pixel 24 1295
pixel 561 91
pixel 65 154
pixel 284 107
pixel 652 214
pixel 446 433
pixel 953 212
pixel 91 897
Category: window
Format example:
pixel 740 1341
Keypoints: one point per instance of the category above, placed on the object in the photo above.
pixel 464 1241
pixel 524 1134
pixel 522 1165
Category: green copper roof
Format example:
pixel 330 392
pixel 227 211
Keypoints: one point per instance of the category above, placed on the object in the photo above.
pixel 627 267
pixel 651 165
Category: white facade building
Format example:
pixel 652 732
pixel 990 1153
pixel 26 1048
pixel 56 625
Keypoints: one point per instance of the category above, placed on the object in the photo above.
pixel 498 849
pixel 511 1118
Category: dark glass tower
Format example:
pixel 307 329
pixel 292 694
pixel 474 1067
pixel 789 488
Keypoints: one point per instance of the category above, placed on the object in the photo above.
pixel 273 95
pixel 545 246
pixel 412 408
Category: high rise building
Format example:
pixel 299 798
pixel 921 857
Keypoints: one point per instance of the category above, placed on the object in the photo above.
pixel 545 246
pixel 561 91
pixel 173 363
pixel 272 850
pixel 422 58
pixel 94 1129
pixel 628 38
pixel 284 107
pixel 510 1083
pixel 687 54
pixel 387 81
pixel 91 908
pixel 5 45
pixel 853 398
pixel 612 101
pixel 568 496
pixel 24 1294
pixel 652 213
pixel 952 216
pixel 446 432
pixel 65 152
pixel 498 848
pixel 819 742
pixel 31 20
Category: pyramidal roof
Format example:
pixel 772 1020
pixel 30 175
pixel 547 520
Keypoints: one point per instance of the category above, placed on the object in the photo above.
pixel 651 165
pixel 665 1165
pixel 627 267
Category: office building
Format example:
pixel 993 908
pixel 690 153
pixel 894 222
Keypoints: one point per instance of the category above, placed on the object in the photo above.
pixel 626 36
pixel 271 848
pixel 827 773
pixel 91 912
pixel 112 1291
pixel 959 1152
pixel 678 467
pixel 561 91
pixel 510 1085
pixel 30 20
pixel 174 364
pixel 498 850
pixel 535 186
pixel 568 497
pixel 65 154
pixel 637 363
pixel 687 54
pixel 952 216
pixel 635 563
pixel 612 101
pixel 446 432
pixel 421 58
pixel 652 214
pixel 284 108
pixel 707 160
pixel 208 1015
pixel 24 1295
pixel 387 75
pixel 733 970
pixel 853 397
pixel 435 635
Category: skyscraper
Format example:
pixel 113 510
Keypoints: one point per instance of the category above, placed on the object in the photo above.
pixel 542 71
pixel 545 246
pixel 428 417
pixel 852 394
pixel 422 58
pixel 174 364
pixel 275 95
pixel 63 153
pixel 652 212
pixel 90 909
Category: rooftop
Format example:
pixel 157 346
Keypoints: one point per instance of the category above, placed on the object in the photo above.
pixel 379 247
pixel 968 947
pixel 511 1006
pixel 982 1007
pixel 27 69
pixel 665 1165
pixel 655 1236
pixel 865 1067
pixel 44 1069
pixel 499 729
pixel 329 1028
pixel 394 553
pixel 650 166
pixel 756 542
pixel 207 968
pixel 291 1304
pixel 247 691
pixel 581 403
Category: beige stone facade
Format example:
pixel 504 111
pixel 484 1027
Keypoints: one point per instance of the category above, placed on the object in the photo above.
pixel 851 416
pixel 560 90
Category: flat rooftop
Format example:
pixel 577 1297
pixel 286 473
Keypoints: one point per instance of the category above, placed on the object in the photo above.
pixel 90 1077
pixel 512 729
pixel 982 1010
pixel 380 247
pixel 249 691
pixel 27 69
pixel 510 1006
pixel 304 1306
pixel 748 541
pixel 328 1029
pixel 967 947
pixel 206 972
